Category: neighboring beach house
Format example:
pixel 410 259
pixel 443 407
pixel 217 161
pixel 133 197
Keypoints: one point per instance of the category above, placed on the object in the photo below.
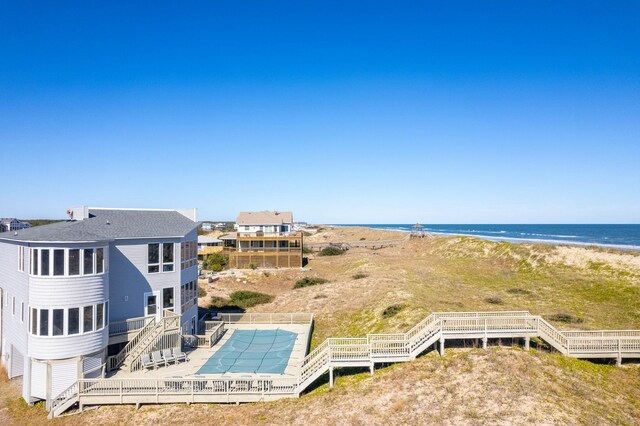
pixel 264 239
pixel 208 245
pixel 12 224
pixel 74 292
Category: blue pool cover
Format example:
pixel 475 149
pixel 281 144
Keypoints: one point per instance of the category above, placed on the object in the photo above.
pixel 252 351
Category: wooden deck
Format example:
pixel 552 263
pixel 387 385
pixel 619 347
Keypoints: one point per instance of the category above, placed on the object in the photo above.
pixel 366 352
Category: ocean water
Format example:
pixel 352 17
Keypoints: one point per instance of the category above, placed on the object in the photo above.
pixel 625 237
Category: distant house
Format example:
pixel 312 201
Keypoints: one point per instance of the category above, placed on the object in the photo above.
pixel 220 226
pixel 208 245
pixel 264 239
pixel 207 226
pixel 12 224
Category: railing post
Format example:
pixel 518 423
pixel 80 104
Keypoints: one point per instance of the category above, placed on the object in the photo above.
pixel 619 359
pixel 330 376
pixel 526 343
pixel 485 338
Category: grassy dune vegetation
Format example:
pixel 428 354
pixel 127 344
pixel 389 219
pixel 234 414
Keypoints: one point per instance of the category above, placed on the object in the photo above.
pixel 389 290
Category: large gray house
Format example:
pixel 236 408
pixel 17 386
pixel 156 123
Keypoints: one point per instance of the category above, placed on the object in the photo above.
pixel 72 291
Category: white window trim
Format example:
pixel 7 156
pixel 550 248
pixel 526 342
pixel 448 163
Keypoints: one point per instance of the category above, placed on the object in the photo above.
pixel 66 267
pixel 161 263
pixel 65 319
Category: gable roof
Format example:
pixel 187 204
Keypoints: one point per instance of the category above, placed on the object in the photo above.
pixel 109 224
pixel 264 218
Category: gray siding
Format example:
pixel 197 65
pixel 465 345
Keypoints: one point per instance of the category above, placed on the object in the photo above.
pixel 130 279
pixel 14 284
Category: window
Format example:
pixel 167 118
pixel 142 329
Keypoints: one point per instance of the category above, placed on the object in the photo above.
pixel 44 262
pixel 154 257
pixel 88 262
pixel 13 306
pixel 160 261
pixel 44 322
pixel 34 321
pixel 58 262
pixel 22 312
pixel 74 262
pixel 167 297
pixel 58 322
pixel 99 316
pixel 87 323
pixel 34 261
pixel 106 313
pixel 167 257
pixel 21 259
pixel 74 321
pixel 99 260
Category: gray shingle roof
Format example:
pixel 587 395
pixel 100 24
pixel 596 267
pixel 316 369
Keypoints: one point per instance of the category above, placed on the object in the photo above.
pixel 110 224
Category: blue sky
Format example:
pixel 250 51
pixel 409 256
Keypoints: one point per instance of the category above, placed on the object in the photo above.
pixel 344 112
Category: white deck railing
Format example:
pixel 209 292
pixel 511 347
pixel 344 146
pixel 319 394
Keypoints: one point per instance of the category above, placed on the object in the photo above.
pixel 128 325
pixel 267 318
pixel 346 352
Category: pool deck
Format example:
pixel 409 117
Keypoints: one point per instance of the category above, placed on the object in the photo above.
pixel 199 356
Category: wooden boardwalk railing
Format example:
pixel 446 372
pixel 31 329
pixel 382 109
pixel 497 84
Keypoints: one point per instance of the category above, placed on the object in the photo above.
pixel 353 352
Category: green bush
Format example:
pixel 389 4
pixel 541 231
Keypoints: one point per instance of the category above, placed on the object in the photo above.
pixel 240 300
pixel 494 300
pixel 518 290
pixel 309 281
pixel 393 310
pixel 566 318
pixel 306 250
pixel 215 262
pixel 201 292
pixel 252 266
pixel 331 251
pixel 359 276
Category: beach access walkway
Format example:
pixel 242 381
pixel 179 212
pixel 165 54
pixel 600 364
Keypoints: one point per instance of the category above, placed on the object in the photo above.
pixel 430 333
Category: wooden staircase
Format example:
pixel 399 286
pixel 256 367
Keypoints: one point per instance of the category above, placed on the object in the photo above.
pixel 349 352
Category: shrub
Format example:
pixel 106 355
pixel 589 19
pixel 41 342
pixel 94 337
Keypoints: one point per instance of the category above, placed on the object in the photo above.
pixel 331 251
pixel 215 262
pixel 518 290
pixel 240 300
pixel 320 296
pixel 201 292
pixel 306 250
pixel 393 310
pixel 309 281
pixel 359 276
pixel 494 300
pixel 252 266
pixel 362 239
pixel 565 318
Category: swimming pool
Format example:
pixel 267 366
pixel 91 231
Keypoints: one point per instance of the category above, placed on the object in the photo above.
pixel 252 351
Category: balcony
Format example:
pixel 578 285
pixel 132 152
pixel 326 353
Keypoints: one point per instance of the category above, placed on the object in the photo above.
pixel 261 234
pixel 275 250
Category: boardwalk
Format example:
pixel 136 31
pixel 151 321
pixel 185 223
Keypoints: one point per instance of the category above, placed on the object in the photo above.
pixel 364 352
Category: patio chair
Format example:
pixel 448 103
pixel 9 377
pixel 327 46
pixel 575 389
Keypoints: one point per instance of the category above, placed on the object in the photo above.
pixel 157 359
pixel 180 356
pixel 168 356
pixel 146 362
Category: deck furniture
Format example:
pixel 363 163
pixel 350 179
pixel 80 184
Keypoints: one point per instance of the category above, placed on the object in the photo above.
pixel 147 363
pixel 157 359
pixel 168 356
pixel 180 356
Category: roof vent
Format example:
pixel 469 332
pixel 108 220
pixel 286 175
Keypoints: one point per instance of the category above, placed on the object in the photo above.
pixel 108 223
pixel 15 233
